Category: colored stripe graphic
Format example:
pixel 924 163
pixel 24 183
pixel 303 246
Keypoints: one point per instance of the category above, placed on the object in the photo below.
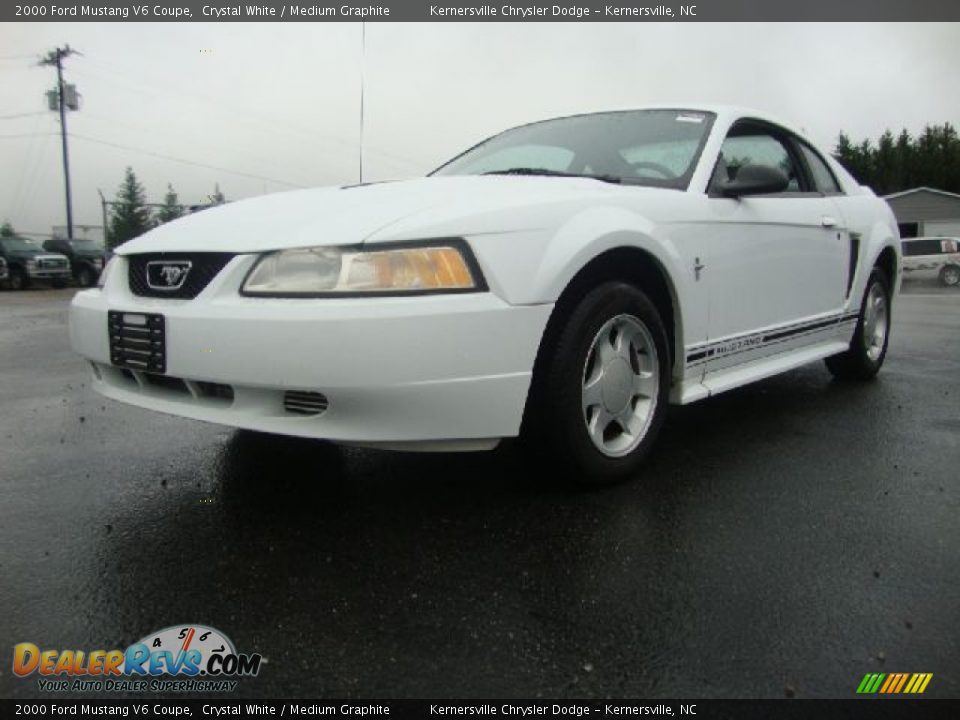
pixel 894 683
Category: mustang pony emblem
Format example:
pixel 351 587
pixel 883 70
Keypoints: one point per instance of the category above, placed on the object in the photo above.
pixel 167 274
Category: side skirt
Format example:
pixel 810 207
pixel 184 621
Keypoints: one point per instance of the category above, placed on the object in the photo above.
pixel 746 358
pixel 687 392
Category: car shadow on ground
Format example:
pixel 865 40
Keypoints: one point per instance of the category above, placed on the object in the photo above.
pixel 480 561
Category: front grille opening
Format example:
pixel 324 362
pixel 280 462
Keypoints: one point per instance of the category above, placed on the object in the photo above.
pixel 302 402
pixel 201 268
pixel 166 382
pixel 215 391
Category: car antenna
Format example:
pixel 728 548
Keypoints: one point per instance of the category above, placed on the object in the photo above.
pixel 363 53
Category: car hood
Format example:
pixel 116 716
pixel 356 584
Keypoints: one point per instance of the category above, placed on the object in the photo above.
pixel 351 215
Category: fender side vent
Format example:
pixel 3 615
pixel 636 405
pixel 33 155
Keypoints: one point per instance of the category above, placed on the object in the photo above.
pixel 302 402
pixel 854 258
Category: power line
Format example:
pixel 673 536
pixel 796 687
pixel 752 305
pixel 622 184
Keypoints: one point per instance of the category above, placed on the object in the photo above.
pixel 22 115
pixel 23 135
pixel 245 114
pixel 171 158
pixel 167 132
pixel 15 202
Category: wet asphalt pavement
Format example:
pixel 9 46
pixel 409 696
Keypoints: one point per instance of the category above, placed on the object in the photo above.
pixel 784 539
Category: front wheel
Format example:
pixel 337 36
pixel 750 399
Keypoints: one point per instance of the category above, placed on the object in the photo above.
pixel 85 277
pixel 872 335
pixel 600 394
pixel 950 276
pixel 18 280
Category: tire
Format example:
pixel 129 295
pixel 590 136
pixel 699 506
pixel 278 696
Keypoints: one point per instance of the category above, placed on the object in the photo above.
pixel 950 275
pixel 868 348
pixel 599 392
pixel 18 280
pixel 85 277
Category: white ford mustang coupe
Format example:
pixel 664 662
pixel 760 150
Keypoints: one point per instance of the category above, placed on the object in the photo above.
pixel 564 281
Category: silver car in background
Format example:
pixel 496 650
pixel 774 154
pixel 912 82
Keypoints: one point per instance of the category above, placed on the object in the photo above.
pixel 932 258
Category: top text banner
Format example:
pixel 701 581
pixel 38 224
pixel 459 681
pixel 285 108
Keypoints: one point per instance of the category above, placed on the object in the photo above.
pixel 460 11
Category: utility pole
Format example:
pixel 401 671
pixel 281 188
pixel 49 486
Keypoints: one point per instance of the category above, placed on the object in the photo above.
pixel 55 58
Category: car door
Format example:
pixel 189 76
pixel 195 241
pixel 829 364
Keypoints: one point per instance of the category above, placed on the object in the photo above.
pixel 775 263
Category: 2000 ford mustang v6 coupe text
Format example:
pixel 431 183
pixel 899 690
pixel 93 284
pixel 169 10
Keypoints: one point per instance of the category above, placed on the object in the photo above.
pixel 563 281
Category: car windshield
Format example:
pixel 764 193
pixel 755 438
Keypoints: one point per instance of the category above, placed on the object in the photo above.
pixel 19 245
pixel 641 147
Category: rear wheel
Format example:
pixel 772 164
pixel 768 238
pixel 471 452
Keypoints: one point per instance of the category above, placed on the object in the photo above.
pixel 601 392
pixel 950 276
pixel 869 345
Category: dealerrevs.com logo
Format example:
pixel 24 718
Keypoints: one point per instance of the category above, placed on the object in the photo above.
pixel 180 658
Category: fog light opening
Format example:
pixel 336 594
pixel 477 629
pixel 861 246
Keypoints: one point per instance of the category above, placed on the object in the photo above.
pixel 302 402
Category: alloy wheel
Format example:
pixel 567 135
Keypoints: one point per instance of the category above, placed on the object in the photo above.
pixel 876 319
pixel 621 378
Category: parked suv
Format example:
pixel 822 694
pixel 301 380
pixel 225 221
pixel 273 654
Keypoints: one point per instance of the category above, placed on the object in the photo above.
pixel 86 258
pixel 929 258
pixel 28 263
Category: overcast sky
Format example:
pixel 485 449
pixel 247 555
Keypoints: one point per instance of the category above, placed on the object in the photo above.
pixel 267 107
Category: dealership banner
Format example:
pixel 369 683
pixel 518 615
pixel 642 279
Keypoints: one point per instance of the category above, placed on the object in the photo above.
pixel 485 709
pixel 460 11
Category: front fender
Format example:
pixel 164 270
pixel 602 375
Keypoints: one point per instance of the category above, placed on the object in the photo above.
pixel 533 267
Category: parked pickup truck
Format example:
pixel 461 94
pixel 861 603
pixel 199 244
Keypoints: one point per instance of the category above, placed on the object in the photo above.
pixel 28 263
pixel 86 258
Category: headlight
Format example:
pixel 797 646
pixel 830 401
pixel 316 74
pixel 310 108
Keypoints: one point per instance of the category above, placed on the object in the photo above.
pixel 102 280
pixel 441 266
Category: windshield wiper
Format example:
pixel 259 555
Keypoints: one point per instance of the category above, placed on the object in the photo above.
pixel 554 173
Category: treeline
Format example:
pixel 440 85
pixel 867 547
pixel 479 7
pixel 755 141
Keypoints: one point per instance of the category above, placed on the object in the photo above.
pixel 131 215
pixel 901 162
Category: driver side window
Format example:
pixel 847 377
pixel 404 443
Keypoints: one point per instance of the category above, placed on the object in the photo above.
pixel 755 147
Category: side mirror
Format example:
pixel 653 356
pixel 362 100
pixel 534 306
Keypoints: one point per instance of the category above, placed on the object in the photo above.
pixel 755 180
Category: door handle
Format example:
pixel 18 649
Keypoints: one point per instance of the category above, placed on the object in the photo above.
pixel 828 221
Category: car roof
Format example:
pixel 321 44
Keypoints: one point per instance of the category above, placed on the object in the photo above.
pixel 727 112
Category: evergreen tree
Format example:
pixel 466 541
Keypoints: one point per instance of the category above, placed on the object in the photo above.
pixel 6 230
pixel 129 215
pixel 932 159
pixel 172 209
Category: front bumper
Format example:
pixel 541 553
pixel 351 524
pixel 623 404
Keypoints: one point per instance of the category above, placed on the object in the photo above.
pixel 49 273
pixel 443 371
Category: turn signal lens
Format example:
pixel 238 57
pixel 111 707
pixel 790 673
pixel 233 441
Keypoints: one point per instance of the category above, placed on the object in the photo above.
pixel 318 271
